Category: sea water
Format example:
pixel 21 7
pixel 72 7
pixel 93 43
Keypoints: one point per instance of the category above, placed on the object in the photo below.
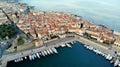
pixel 77 56
pixel 100 12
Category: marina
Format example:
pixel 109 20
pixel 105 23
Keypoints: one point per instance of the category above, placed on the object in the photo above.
pixel 92 45
pixel 53 49
pixel 106 56
pixel 39 54
pixel 65 54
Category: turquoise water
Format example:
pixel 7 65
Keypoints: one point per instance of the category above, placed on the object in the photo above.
pixel 77 56
pixel 105 12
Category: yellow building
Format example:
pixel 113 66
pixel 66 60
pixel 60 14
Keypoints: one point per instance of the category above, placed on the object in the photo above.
pixel 117 42
pixel 38 43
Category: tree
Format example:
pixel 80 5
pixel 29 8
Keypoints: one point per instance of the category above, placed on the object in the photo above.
pixel 7 30
pixel 21 41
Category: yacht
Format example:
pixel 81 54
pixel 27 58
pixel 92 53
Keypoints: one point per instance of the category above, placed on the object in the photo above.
pixel 37 55
pixel 54 50
pixel 33 57
pixel 48 52
pixel 45 52
pixel 25 57
pixel 63 45
pixel 69 45
pixel 30 57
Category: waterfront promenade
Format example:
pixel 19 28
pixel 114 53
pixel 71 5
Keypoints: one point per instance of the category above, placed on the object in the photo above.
pixel 98 46
pixel 57 43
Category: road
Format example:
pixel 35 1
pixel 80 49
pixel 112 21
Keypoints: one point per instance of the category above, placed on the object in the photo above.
pixel 15 55
pixel 97 45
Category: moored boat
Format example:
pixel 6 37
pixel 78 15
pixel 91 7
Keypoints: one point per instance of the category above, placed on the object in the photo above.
pixel 69 45
pixel 63 45
pixel 45 52
pixel 37 55
pixel 48 52
pixel 54 50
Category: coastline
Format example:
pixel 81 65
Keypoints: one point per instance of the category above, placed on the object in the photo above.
pixel 13 56
pixel 88 42
pixel 77 56
pixel 58 44
pixel 98 46
pixel 117 33
pixel 83 40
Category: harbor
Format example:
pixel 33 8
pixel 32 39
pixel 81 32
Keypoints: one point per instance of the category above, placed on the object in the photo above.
pixel 65 55
pixel 50 49
pixel 37 55
pixel 41 34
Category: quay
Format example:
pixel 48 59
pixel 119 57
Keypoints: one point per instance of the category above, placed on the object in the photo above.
pixel 55 44
pixel 77 25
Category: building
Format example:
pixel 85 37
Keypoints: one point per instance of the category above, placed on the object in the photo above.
pixel 38 43
pixel 117 42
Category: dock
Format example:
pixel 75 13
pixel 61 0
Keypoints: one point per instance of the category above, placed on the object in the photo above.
pixel 50 47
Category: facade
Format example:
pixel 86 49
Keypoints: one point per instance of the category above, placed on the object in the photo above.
pixel 117 42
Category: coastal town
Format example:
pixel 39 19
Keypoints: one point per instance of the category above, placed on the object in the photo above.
pixel 40 28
